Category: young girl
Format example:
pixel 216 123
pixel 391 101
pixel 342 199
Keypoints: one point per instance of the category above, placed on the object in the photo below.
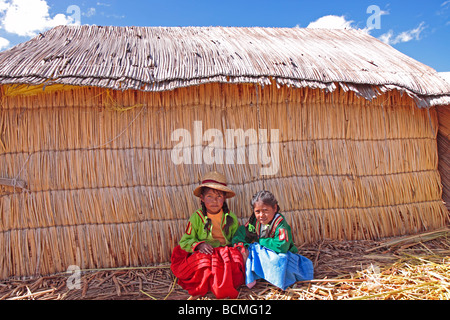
pixel 204 259
pixel 272 254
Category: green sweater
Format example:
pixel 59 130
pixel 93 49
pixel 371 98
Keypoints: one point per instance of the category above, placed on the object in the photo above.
pixel 195 231
pixel 277 237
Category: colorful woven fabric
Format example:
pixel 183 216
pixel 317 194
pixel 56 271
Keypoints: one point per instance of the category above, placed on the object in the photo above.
pixel 221 272
pixel 280 269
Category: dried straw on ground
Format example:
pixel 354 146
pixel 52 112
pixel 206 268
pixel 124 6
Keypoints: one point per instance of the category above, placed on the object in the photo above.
pixel 88 173
pixel 413 268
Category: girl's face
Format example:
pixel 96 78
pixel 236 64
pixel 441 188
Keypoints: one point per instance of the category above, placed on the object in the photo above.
pixel 263 212
pixel 213 200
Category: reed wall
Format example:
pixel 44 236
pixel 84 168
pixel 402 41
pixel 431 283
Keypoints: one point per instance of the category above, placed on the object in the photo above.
pixel 102 189
pixel 443 141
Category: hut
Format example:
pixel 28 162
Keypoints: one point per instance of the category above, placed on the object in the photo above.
pixel 105 132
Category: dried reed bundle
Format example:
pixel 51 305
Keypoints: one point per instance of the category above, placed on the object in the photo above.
pixel 156 283
pixel 420 272
pixel 103 191
pixel 402 281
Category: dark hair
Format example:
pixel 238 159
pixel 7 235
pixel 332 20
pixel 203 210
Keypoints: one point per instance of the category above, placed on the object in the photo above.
pixel 267 198
pixel 208 225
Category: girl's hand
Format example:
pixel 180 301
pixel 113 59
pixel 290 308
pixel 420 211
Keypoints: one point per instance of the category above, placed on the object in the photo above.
pixel 245 253
pixel 205 248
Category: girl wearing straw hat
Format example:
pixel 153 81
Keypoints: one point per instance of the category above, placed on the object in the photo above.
pixel 204 260
pixel 270 250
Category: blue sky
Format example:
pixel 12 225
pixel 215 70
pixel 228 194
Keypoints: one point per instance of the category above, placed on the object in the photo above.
pixel 420 29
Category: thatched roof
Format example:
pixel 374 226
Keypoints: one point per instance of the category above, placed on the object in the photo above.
pixel 164 58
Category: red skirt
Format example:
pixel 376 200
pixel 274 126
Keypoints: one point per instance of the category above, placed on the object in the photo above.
pixel 221 272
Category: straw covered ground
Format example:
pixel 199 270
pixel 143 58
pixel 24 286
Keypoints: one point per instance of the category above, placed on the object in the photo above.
pixel 413 268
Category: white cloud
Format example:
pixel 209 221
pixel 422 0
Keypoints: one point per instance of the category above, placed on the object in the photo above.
pixel 331 22
pixel 445 76
pixel 29 17
pixel 338 22
pixel 91 12
pixel 4 43
pixel 405 36
pixel 387 37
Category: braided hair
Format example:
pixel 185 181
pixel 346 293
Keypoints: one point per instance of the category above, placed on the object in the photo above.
pixel 267 198
pixel 229 219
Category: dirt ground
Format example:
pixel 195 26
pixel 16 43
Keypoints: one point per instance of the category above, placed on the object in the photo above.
pixel 413 267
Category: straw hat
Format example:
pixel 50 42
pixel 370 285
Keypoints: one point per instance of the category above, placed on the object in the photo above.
pixel 214 180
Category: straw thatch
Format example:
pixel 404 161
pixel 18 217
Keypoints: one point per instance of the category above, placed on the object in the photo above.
pixel 87 173
pixel 161 58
